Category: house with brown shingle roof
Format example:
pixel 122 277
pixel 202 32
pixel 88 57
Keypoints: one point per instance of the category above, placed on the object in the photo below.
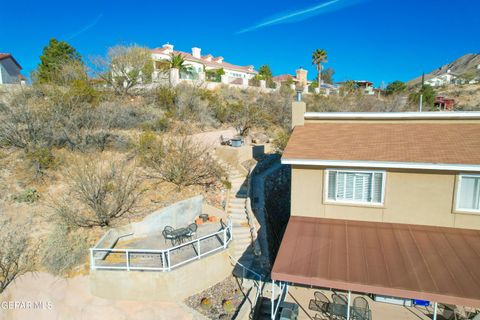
pixel 10 69
pixel 200 64
pixel 384 204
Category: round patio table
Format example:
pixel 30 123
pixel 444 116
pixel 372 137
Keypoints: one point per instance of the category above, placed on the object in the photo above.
pixel 179 235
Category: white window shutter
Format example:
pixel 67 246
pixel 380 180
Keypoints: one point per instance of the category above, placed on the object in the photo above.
pixel 332 184
pixel 469 195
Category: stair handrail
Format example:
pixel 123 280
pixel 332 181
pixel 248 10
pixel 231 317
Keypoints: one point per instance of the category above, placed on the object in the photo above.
pixel 235 261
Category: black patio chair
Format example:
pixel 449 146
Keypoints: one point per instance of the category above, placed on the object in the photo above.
pixel 339 306
pixel 319 303
pixel 360 308
pixel 192 230
pixel 168 234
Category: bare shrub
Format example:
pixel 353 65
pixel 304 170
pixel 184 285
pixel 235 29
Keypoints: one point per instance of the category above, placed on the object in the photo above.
pixel 99 193
pixel 17 255
pixel 124 67
pixel 181 161
pixel 64 249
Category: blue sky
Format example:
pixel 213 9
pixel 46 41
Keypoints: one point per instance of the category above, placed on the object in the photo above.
pixel 378 40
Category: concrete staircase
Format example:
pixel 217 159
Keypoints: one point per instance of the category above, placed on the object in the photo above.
pixel 237 213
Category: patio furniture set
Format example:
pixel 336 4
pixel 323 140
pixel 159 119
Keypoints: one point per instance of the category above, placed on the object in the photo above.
pixel 179 235
pixel 338 307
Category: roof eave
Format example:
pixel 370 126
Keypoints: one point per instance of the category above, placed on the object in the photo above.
pixel 383 164
pixel 445 115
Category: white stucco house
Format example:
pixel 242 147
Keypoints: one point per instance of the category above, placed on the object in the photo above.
pixel 443 79
pixel 234 74
pixel 10 70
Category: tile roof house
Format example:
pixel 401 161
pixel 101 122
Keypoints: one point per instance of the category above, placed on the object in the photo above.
pixel 200 63
pixel 10 69
pixel 299 78
pixel 384 203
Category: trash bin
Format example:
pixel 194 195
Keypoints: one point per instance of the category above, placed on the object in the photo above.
pixel 236 142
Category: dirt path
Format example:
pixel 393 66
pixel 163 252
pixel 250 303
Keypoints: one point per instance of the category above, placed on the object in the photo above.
pixel 212 138
pixel 71 299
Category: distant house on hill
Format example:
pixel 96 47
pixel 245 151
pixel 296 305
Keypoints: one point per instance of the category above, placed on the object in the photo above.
pixel 365 85
pixel 299 79
pixel 442 103
pixel 201 64
pixel 10 70
pixel 443 79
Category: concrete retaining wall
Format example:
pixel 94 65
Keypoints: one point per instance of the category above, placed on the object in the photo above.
pixel 177 215
pixel 175 285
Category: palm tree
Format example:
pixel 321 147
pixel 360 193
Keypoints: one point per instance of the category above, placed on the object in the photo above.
pixel 176 62
pixel 318 57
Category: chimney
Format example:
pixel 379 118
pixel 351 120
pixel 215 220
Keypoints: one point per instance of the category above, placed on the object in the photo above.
pixel 208 57
pixel 169 47
pixel 218 59
pixel 298 111
pixel 196 52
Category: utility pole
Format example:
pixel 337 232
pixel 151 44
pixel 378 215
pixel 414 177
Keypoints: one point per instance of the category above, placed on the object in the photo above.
pixel 421 94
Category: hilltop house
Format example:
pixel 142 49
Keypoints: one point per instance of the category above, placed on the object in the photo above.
pixel 384 203
pixel 364 85
pixel 10 69
pixel 299 79
pixel 443 79
pixel 200 64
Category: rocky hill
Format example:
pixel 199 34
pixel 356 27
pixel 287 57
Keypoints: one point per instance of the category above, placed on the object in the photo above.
pixel 463 66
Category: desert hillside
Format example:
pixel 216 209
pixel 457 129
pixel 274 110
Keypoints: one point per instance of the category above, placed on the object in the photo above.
pixel 464 65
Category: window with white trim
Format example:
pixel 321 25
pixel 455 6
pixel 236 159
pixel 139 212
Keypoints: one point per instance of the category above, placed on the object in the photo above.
pixel 468 193
pixel 355 186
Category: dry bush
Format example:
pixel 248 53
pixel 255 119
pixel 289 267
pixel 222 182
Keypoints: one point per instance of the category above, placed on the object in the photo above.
pixel 17 254
pixel 64 249
pixel 357 102
pixel 180 160
pixel 99 193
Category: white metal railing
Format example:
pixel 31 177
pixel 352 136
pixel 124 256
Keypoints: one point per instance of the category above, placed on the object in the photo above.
pixel 224 236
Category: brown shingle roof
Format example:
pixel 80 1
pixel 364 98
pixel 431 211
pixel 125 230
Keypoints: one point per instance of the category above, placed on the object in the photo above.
pixel 411 261
pixel 445 143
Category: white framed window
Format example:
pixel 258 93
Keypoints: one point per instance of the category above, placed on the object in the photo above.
pixel 355 186
pixel 468 193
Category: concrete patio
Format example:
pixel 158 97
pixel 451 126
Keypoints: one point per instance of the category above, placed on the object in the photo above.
pixel 380 310
pixel 156 241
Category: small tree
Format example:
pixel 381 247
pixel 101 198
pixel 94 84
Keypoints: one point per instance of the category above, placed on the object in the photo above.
pixel 55 56
pixel 395 87
pixel 349 87
pixel 327 75
pixel 99 193
pixel 245 115
pixel 125 67
pixel 265 72
pixel 17 255
pixel 181 161
pixel 428 97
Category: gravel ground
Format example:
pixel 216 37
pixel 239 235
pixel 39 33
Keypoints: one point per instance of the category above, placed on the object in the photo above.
pixel 227 289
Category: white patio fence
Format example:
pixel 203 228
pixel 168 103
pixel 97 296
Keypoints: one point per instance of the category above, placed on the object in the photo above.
pixel 160 260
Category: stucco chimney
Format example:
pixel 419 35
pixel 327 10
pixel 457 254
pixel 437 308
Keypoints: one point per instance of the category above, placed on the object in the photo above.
pixel 169 47
pixel 196 52
pixel 298 111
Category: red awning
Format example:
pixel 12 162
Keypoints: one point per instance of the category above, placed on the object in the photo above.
pixel 410 261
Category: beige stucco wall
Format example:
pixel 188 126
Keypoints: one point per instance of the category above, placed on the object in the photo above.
pixel 175 285
pixel 417 197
